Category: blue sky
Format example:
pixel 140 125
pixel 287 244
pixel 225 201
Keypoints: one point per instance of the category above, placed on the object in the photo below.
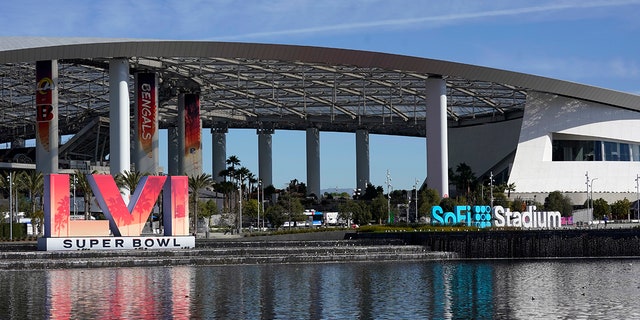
pixel 590 42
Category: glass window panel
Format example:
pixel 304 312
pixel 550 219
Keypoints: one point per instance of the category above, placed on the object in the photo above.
pixel 624 152
pixel 597 150
pixel 635 152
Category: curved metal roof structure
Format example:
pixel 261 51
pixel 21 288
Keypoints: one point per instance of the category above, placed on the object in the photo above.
pixel 245 85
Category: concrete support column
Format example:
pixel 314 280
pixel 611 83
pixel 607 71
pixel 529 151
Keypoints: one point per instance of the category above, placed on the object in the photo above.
pixel 437 139
pixel 313 161
pixel 120 139
pixel 47 140
pixel 146 137
pixel 265 168
pixel 219 148
pixel 362 158
pixel 173 151
pixel 190 134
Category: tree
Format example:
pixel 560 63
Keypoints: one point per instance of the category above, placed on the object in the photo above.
pixel 601 209
pixel 518 205
pixel 84 188
pixel 250 208
pixel 129 180
pixel 448 204
pixel 556 201
pixel 379 208
pixel 210 208
pixel 355 211
pixel 33 182
pixel 463 179
pixel 428 198
pixel 510 187
pixel 197 183
pixel 371 192
pixel 292 206
pixel 620 209
pixel 276 214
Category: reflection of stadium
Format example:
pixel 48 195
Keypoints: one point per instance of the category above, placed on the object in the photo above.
pixel 540 134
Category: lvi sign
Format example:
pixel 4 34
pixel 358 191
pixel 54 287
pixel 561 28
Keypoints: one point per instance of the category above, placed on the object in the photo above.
pixel 124 224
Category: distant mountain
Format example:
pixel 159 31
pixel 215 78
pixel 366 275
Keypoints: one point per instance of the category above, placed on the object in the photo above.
pixel 337 190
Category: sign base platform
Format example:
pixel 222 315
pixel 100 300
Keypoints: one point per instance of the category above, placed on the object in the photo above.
pixel 116 243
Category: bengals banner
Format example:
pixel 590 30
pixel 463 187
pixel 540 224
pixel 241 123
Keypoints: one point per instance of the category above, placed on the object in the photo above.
pixel 146 115
pixel 46 116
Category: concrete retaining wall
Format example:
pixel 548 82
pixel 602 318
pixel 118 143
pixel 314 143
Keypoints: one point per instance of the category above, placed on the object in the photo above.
pixel 523 244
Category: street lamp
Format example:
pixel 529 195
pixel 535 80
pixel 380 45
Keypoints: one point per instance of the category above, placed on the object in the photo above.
pixel 10 208
pixel 638 196
pixel 240 206
pixel 491 186
pixel 588 198
pixel 388 181
pixel 259 202
pixel 415 189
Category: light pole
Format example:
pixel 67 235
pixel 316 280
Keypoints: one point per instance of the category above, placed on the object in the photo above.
pixel 638 196
pixel 415 188
pixel 491 186
pixel 240 206
pixel 259 202
pixel 388 197
pixel 588 198
pixel 10 208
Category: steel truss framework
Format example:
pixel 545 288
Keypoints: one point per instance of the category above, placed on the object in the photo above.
pixel 243 93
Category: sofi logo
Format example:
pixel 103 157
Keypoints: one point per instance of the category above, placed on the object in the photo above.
pixel 122 220
pixel 485 216
pixel 476 216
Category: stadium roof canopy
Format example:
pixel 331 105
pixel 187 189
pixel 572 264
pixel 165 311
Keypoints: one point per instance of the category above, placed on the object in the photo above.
pixel 244 85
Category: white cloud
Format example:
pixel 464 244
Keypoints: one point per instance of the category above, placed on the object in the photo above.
pixel 449 15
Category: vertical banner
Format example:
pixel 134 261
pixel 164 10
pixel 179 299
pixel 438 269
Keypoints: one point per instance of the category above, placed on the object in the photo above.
pixel 146 117
pixel 192 153
pixel 46 116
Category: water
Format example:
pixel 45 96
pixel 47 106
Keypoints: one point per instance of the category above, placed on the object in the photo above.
pixel 551 289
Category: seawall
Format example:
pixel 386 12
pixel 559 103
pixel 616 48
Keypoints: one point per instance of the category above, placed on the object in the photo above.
pixel 563 243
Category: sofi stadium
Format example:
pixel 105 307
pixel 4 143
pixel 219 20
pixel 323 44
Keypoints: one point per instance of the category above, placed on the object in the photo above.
pixel 113 96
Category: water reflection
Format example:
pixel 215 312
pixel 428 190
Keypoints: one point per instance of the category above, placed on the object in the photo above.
pixel 118 293
pixel 398 290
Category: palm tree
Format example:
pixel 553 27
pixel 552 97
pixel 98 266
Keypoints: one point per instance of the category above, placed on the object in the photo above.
pixel 197 183
pixel 510 187
pixel 83 186
pixel 233 161
pixel 33 182
pixel 129 180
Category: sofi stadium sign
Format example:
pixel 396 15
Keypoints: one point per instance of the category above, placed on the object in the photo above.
pixel 123 227
pixel 485 216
